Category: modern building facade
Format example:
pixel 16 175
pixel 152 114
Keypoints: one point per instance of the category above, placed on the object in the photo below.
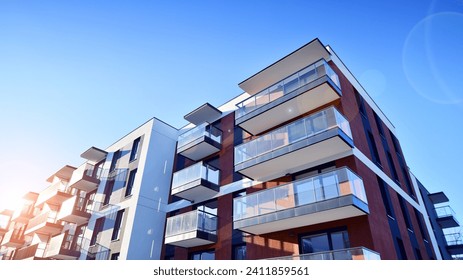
pixel 302 165
pixel 110 207
pixel 305 166
pixel 444 224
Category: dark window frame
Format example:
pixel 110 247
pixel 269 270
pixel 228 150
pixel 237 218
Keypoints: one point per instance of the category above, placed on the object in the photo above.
pixel 130 182
pixel 117 225
pixel 135 148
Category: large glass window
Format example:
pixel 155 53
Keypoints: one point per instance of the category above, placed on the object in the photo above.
pixel 134 152
pixel 99 223
pixel 323 242
pixel 203 255
pixel 117 225
pixel 116 157
pixel 239 252
pixel 108 190
pixel 130 182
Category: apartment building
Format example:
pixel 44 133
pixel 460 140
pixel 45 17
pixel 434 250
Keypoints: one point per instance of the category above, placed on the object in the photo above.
pixel 302 165
pixel 444 224
pixel 110 207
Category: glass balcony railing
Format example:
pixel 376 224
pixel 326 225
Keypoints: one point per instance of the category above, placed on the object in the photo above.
pixel 192 221
pixel 358 253
pixel 46 217
pixel 445 211
pixel 53 191
pixel 195 172
pixel 318 188
pixel 26 252
pixel 291 133
pixel 454 239
pixel 286 86
pixel 199 131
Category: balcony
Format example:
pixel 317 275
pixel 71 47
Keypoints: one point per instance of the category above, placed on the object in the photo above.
pixel 3 231
pixel 26 252
pixel 358 253
pixel 43 224
pixel 302 92
pixel 24 214
pixel 74 210
pixel 195 228
pixel 438 197
pixel 86 178
pixel 13 238
pixel 454 243
pixel 55 194
pixel 200 142
pixel 61 249
pixel 446 217
pixel 307 142
pixel 199 181
pixel 323 198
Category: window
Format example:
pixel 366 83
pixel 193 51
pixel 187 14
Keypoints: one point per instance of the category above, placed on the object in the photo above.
pixel 405 214
pixel 108 191
pixel 395 142
pixel 373 149
pixel 418 217
pixel 379 124
pixel 99 223
pixel 401 254
pixel 418 255
pixel 128 190
pixel 360 103
pixel 117 225
pixel 392 166
pixel 239 252
pixel 385 196
pixel 407 182
pixel 327 241
pixel 116 157
pixel 134 152
pixel 203 255
pixel 115 256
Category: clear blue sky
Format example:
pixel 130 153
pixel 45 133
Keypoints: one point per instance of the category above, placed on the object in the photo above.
pixel 75 74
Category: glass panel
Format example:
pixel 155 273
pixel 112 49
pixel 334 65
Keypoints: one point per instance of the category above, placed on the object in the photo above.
pixel 240 252
pixel 291 83
pixel 307 75
pixel 275 92
pixel 304 191
pixel 298 79
pixel 315 243
pixel 284 197
pixel 340 240
pixel 208 256
pixel 266 202
pixel 330 185
pixel 296 131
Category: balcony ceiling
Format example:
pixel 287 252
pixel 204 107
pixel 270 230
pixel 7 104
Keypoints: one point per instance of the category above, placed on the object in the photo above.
pixel 191 239
pixel 288 107
pixel 295 61
pixel 274 166
pixel 290 219
pixel 438 197
pixel 64 173
pixel 94 154
pixel 204 113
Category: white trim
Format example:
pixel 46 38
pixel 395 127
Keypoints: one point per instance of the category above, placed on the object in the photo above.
pixel 386 178
pixel 433 240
